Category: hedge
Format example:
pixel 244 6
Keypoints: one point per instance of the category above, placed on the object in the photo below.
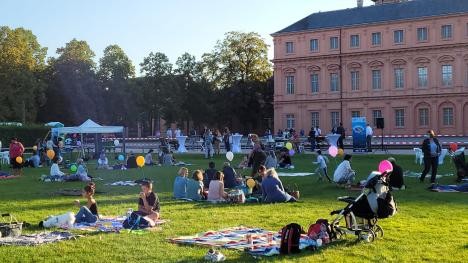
pixel 27 135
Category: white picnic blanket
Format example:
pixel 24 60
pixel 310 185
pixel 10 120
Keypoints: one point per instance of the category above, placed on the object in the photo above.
pixel 295 174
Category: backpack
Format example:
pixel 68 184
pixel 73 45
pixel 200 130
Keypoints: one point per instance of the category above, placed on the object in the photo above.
pixel 290 239
pixel 135 222
pixel 319 231
pixel 326 227
pixel 386 206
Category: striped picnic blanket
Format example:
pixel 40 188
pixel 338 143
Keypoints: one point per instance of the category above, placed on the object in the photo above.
pixel 235 238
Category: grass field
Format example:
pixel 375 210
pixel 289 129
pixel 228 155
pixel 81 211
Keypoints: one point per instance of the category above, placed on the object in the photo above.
pixel 430 227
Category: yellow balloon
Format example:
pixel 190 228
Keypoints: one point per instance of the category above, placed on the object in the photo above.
pixel 19 160
pixel 251 183
pixel 288 145
pixel 35 148
pixel 340 152
pixel 50 154
pixel 140 160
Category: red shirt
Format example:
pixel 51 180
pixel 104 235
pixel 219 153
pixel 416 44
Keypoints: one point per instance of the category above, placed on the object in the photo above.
pixel 16 149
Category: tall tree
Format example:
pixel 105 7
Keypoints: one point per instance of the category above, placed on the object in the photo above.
pixel 238 57
pixel 73 94
pixel 115 65
pixel 22 61
pixel 156 65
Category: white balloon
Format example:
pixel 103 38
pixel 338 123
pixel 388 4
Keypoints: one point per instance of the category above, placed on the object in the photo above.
pixel 230 156
pixel 116 142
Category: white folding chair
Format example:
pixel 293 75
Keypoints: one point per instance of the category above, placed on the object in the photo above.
pixel 5 158
pixel 419 156
pixel 442 156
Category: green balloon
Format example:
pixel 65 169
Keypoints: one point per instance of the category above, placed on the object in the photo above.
pixel 73 168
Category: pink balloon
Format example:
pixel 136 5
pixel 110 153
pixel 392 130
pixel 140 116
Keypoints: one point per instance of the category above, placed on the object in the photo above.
pixel 385 165
pixel 291 152
pixel 333 151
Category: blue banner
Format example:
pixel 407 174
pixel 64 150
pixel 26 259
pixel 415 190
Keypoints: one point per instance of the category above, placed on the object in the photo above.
pixel 359 134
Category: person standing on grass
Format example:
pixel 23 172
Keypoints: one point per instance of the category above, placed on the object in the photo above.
pixel 431 149
pixel 227 139
pixel 16 150
pixel 369 135
pixel 341 131
pixel 322 168
pixel 89 213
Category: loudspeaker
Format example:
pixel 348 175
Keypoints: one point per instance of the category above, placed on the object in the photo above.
pixel 380 123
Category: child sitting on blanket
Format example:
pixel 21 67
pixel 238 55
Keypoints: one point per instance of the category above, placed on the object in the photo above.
pixel 89 213
pixel 148 204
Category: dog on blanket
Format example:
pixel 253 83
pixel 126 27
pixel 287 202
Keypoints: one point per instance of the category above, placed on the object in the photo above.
pixel 66 219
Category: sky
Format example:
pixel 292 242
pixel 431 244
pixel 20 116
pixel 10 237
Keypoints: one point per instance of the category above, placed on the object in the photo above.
pixel 143 26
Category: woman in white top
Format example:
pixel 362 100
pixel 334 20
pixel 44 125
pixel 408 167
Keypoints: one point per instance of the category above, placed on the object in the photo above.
pixel 55 169
pixel 322 168
pixel 216 188
pixel 149 158
pixel 344 174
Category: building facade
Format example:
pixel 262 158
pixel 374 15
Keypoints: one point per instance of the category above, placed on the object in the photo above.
pixel 405 61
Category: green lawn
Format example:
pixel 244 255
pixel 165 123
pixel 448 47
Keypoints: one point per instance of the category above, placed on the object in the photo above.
pixel 429 226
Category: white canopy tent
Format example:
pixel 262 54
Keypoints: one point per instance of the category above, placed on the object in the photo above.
pixel 90 127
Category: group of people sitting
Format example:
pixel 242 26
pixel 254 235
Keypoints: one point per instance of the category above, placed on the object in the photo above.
pixel 165 158
pixel 56 174
pixel 210 185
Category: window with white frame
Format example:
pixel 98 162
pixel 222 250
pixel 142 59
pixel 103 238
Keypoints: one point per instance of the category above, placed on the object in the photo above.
pixel 399 78
pixel 335 118
pixel 334 82
pixel 447 75
pixel 334 43
pixel 314 83
pixel 446 32
pixel 376 79
pixel 447 116
pixel 399 118
pixel 376 39
pixel 354 41
pixel 398 36
pixel 422 77
pixel 290 121
pixel 290 85
pixel 314 45
pixel 355 114
pixel 315 119
pixel 423 117
pixel 289 47
pixel 422 34
pixel 354 80
pixel 376 114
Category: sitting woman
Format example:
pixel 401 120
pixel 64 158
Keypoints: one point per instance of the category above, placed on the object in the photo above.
pixel 396 177
pixel 89 213
pixel 216 189
pixel 131 161
pixel 81 173
pixel 285 160
pixel 244 164
pixel 103 162
pixel 148 204
pixel 344 174
pixel 180 184
pixel 149 158
pixel 195 186
pixel 273 190
pixel 55 169
pixel 230 176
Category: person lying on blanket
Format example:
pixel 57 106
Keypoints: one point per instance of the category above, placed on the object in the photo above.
pixel 89 213
pixel 148 204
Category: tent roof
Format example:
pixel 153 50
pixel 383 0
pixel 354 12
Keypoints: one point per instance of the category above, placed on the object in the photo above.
pixel 90 126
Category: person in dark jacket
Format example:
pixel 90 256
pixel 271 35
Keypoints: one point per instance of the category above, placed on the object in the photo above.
pixel 396 178
pixel 230 176
pixel 341 131
pixel 431 150
pixel 312 139
pixel 210 174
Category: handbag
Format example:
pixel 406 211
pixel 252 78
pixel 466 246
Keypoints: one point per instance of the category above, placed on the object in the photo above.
pixel 294 192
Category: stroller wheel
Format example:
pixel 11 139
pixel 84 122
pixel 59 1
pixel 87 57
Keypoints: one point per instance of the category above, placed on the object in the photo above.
pixel 339 233
pixel 367 236
pixel 378 231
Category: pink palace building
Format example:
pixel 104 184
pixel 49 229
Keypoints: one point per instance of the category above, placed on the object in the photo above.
pixel 405 61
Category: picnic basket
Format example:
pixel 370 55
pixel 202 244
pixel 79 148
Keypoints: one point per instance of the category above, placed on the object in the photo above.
pixel 10 228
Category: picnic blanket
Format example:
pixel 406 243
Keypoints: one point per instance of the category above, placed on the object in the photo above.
pixel 123 183
pixel 105 224
pixel 418 174
pixel 235 238
pixel 37 239
pixel 463 188
pixel 294 174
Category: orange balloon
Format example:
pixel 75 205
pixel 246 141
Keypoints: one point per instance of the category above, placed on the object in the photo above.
pixel 140 160
pixel 19 160
pixel 50 154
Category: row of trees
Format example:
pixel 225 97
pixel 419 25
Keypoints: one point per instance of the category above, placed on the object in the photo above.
pixel 230 86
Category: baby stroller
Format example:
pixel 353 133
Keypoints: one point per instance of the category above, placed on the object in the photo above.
pixel 458 158
pixel 362 213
